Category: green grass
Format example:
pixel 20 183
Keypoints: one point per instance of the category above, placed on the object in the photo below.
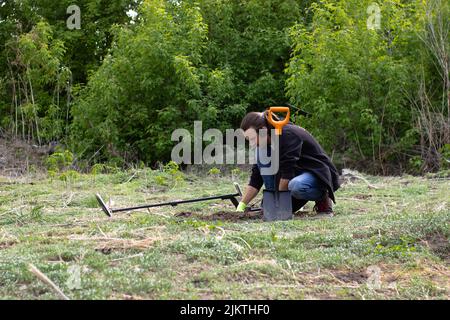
pixel 400 227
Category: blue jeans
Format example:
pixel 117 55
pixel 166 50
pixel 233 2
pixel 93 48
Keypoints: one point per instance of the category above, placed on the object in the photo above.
pixel 305 186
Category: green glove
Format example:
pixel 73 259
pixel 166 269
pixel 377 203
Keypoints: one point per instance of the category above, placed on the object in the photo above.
pixel 241 207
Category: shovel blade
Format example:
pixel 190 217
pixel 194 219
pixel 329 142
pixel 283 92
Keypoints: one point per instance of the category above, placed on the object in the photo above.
pixel 277 205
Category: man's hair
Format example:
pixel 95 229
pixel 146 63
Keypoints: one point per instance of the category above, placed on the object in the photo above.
pixel 256 120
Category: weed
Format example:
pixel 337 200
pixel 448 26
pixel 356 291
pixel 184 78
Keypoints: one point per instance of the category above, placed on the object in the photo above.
pixel 402 227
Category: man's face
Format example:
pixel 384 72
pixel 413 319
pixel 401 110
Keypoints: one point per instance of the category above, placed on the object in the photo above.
pixel 254 139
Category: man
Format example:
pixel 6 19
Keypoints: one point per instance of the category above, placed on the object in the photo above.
pixel 304 167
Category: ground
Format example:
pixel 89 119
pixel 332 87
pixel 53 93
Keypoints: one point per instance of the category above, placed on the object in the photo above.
pixel 388 240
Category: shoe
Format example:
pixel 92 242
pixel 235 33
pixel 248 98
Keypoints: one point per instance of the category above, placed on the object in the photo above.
pixel 324 207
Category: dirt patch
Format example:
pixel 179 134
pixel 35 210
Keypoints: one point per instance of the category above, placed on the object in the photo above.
pixel 235 216
pixel 360 236
pixel 439 245
pixel 7 244
pixel 363 196
pixel 18 157
pixel 351 276
pixel 248 277
pixel 61 258
pixel 222 215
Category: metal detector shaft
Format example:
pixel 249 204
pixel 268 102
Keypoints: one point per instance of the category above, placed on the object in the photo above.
pixel 109 211
pixel 174 203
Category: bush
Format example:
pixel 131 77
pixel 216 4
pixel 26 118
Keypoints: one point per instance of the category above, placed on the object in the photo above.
pixel 353 80
pixel 203 60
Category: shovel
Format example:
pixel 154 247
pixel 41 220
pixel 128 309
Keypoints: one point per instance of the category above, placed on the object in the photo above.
pixel 277 205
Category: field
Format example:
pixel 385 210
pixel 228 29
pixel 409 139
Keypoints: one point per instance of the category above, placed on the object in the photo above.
pixel 388 240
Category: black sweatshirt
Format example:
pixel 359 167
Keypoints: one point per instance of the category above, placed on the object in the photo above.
pixel 300 151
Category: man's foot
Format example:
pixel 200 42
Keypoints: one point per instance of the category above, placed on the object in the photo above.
pixel 324 207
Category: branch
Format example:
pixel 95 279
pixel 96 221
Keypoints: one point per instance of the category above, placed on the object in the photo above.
pixel 47 281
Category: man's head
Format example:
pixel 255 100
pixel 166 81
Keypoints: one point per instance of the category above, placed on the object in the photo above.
pixel 255 127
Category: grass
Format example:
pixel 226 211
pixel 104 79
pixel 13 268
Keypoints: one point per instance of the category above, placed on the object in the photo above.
pixel 389 240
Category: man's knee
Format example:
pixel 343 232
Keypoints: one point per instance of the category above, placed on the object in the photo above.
pixel 291 185
pixel 297 188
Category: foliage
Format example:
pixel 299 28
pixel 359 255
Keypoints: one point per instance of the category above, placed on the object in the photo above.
pixel 183 62
pixel 115 90
pixel 35 64
pixel 59 165
pixel 214 171
pixel 146 84
pixel 43 62
pixel 59 161
pixel 353 80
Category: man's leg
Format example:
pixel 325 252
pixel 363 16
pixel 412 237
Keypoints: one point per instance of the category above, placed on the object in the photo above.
pixel 307 186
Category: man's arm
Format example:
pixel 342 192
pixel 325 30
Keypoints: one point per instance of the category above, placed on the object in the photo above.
pixel 283 184
pixel 251 191
pixel 249 194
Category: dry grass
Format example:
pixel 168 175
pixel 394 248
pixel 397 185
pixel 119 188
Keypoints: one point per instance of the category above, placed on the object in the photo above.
pixel 400 225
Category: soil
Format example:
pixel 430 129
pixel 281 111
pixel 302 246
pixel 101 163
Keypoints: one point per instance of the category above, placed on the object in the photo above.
pixel 439 245
pixel 363 196
pixel 18 157
pixel 231 215
pixel 222 215
pixel 351 277
pixel 7 244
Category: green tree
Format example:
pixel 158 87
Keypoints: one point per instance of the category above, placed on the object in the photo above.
pixel 249 45
pixel 43 63
pixel 183 61
pixel 34 62
pixel 353 79
pixel 147 87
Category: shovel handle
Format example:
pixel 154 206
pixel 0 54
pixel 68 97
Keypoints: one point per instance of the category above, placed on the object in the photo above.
pixel 281 123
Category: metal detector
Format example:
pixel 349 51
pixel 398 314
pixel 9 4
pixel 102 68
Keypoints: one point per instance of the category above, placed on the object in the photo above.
pixel 232 197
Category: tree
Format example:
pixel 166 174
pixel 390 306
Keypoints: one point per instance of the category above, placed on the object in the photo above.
pixel 43 62
pixel 147 87
pixel 34 61
pixel 354 80
pixel 184 61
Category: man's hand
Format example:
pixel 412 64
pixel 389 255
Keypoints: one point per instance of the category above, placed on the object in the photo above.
pixel 249 194
pixel 241 207
pixel 283 185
